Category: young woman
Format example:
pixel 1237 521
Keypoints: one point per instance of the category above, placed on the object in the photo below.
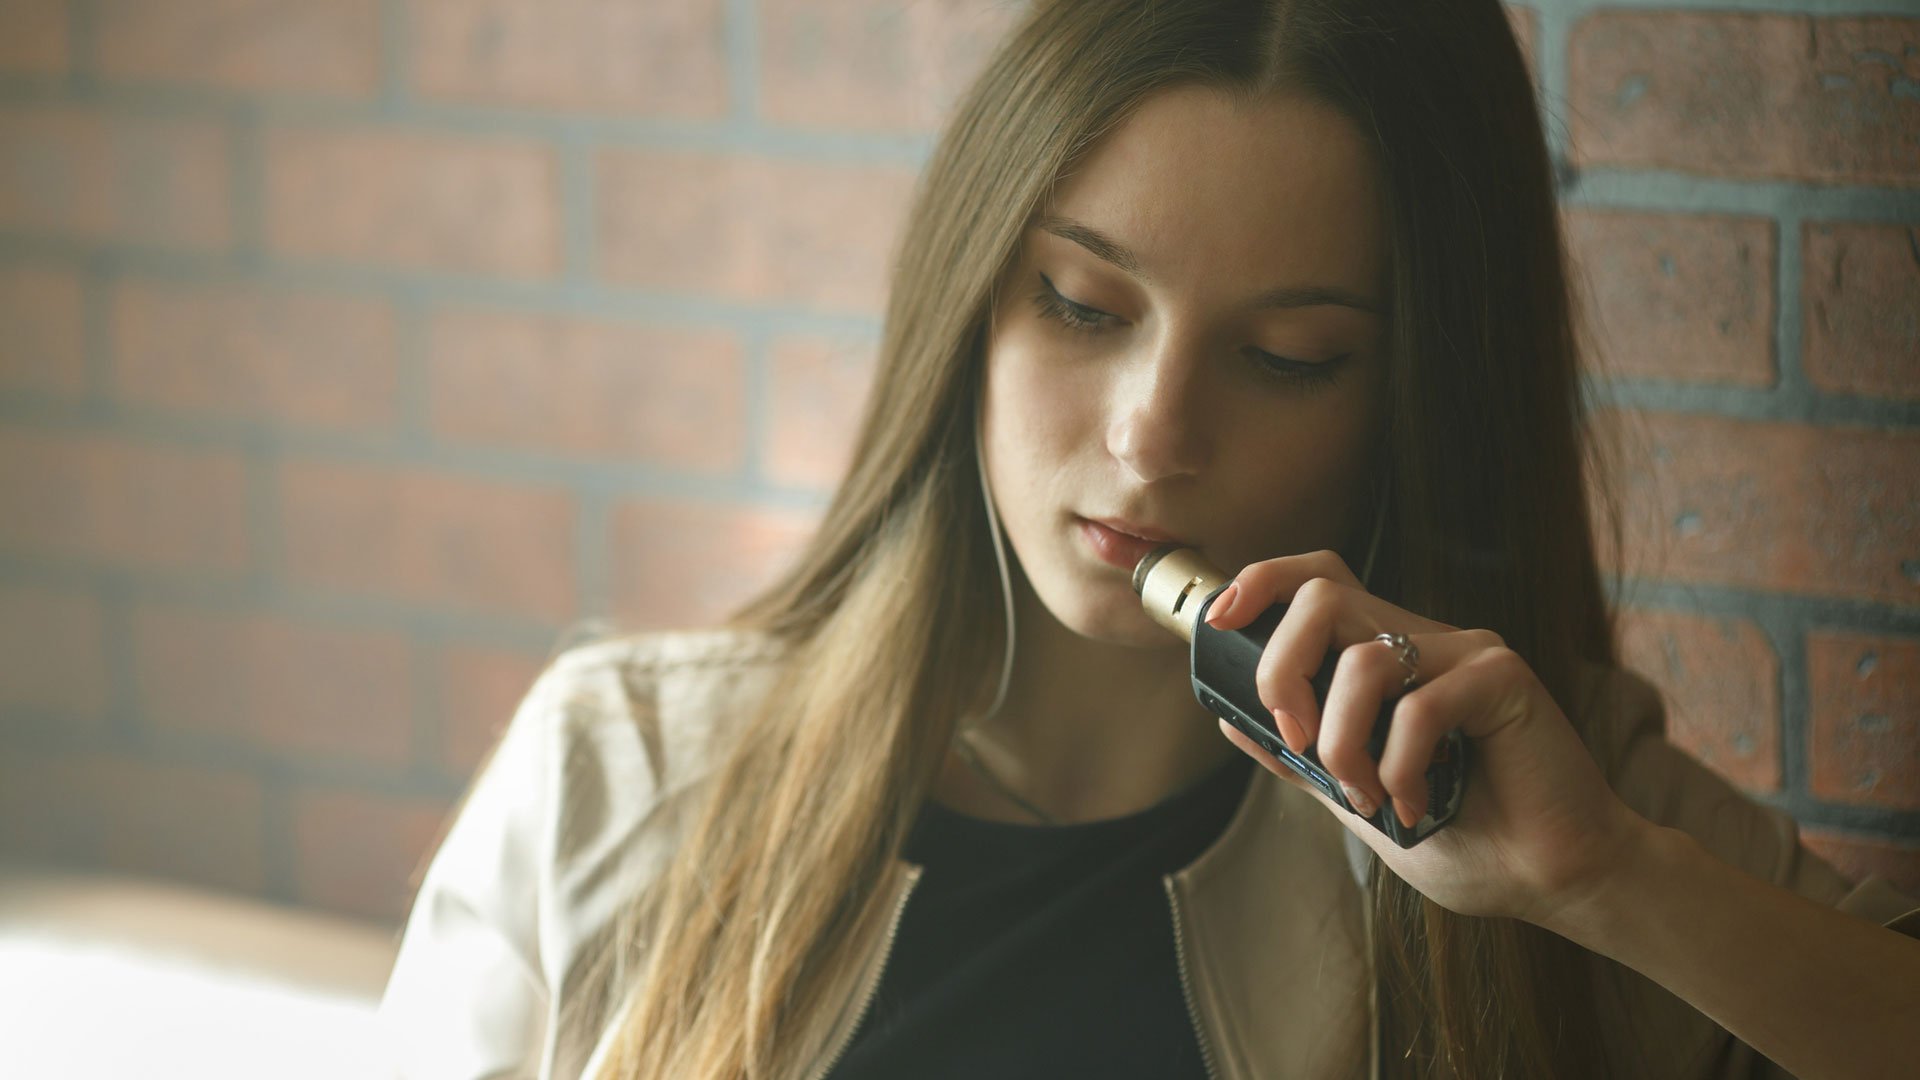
pixel 1284 282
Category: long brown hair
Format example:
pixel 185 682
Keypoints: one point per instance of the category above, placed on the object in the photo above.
pixel 891 614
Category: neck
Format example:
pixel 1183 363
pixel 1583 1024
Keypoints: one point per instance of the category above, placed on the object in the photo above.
pixel 1089 729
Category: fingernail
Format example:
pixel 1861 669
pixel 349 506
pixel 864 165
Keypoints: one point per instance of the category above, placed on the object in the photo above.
pixel 1362 804
pixel 1219 609
pixel 1405 813
pixel 1290 731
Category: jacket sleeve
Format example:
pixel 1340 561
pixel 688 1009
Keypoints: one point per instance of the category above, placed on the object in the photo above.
pixel 466 998
pixel 1667 785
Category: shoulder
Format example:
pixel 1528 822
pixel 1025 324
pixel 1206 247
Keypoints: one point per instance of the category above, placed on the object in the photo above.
pixel 647 709
pixel 566 817
pixel 631 726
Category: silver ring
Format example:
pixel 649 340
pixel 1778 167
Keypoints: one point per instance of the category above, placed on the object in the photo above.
pixel 1409 655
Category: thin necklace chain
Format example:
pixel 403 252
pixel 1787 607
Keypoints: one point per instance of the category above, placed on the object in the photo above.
pixel 967 753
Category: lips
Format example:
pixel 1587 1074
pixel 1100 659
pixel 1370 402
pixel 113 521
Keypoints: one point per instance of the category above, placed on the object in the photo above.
pixel 1121 549
pixel 1138 531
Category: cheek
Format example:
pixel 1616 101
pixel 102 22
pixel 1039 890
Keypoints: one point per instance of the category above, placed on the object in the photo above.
pixel 1038 413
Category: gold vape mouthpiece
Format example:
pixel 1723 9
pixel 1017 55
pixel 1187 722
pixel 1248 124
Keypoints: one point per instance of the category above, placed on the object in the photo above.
pixel 1171 581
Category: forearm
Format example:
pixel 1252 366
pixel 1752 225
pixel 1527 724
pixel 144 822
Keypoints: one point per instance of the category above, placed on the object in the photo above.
pixel 1820 992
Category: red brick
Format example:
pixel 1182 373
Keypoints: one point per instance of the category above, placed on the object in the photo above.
pixel 238 350
pixel 1794 97
pixel 480 688
pixel 414 200
pixel 1860 295
pixel 874 65
pixel 1858 856
pixel 276 684
pixel 636 60
pixel 36 39
pixel 467 545
pixel 361 854
pixel 1865 691
pixel 1775 506
pixel 73 171
pixel 685 564
pixel 1684 298
pixel 43 350
pixel 1721 681
pixel 53 654
pixel 136 504
pixel 818 388
pixel 198 825
pixel 589 387
pixel 797 232
pixel 252 46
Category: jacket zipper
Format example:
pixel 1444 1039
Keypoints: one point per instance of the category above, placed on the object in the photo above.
pixel 1186 987
pixel 873 988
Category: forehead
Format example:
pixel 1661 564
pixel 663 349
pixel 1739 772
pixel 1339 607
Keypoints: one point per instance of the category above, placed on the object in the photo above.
pixel 1206 191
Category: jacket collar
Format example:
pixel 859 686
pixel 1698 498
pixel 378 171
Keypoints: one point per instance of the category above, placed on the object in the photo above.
pixel 1274 934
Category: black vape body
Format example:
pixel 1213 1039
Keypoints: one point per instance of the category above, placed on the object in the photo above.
pixel 1177 586
pixel 1223 664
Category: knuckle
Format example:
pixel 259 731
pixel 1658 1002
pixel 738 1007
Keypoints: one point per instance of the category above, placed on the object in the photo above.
pixel 1266 672
pixel 1367 659
pixel 1266 682
pixel 1335 566
pixel 1506 661
pixel 1487 639
pixel 1346 765
pixel 1414 714
pixel 1317 591
pixel 1354 660
pixel 1401 779
pixel 1342 753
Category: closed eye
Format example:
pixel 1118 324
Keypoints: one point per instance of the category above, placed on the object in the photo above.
pixel 1062 310
pixel 1085 320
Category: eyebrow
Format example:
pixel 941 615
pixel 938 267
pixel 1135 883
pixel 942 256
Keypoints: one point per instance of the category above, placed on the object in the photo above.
pixel 1113 251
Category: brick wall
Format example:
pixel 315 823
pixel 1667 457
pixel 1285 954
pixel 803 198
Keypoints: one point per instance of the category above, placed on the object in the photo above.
pixel 352 350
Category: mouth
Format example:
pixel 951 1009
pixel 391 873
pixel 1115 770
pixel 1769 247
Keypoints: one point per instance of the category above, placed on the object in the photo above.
pixel 1122 547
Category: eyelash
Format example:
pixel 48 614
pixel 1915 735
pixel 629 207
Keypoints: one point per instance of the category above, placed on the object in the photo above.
pixel 1085 320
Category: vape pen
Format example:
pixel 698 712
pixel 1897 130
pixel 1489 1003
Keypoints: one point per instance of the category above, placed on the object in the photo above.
pixel 1177 585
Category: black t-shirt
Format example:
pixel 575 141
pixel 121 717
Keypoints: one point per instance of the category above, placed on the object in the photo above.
pixel 1043 950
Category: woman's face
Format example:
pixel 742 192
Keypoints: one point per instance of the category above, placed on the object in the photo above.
pixel 1182 402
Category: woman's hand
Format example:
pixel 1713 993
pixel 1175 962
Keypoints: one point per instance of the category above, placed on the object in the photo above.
pixel 1538 827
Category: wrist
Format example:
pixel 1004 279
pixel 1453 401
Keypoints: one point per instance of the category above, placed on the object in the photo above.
pixel 1649 856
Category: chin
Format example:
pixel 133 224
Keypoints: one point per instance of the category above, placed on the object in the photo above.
pixel 1104 611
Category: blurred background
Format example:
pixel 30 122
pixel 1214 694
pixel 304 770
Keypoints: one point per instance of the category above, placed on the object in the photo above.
pixel 351 351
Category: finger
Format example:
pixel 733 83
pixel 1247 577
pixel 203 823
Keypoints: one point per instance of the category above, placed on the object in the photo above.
pixel 1472 695
pixel 1420 721
pixel 1437 648
pixel 1354 697
pixel 1284 675
pixel 1367 675
pixel 1261 585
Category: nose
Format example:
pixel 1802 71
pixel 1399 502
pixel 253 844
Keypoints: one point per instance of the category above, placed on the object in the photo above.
pixel 1158 422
